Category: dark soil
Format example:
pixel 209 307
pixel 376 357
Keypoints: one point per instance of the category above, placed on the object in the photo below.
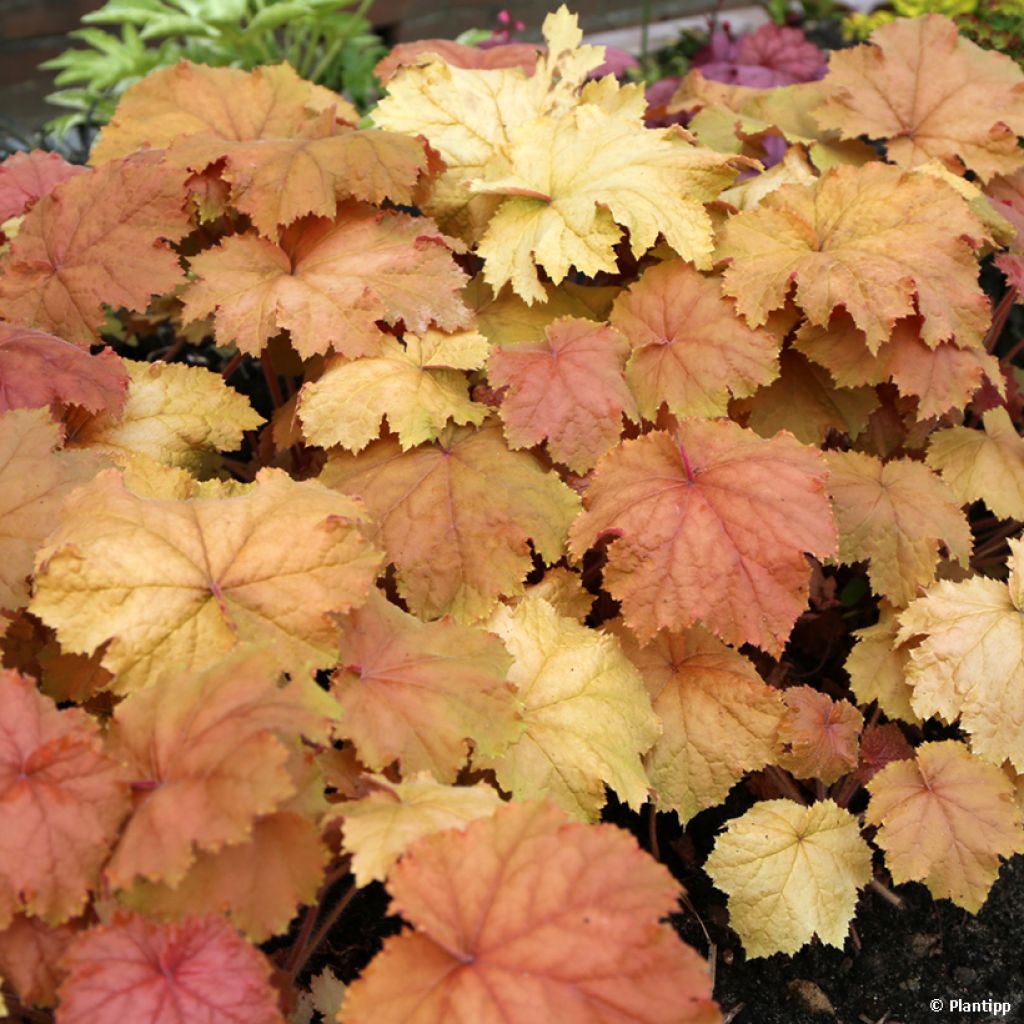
pixel 901 960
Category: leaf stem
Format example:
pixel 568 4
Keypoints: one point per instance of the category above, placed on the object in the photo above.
pixel 232 364
pixel 321 933
pixel 999 316
pixel 785 783
pixel 273 383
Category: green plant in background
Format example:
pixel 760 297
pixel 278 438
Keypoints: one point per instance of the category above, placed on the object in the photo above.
pixel 994 24
pixel 329 42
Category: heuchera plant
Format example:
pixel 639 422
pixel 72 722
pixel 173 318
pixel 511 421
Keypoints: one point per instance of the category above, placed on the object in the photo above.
pixel 574 421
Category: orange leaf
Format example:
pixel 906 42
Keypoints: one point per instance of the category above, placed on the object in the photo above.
pixel 207 755
pixel 804 401
pixel 710 524
pixel 882 242
pixel 690 350
pixel 457 55
pixel 897 514
pixel 198 972
pixel 225 103
pixel 945 819
pixel 929 93
pixel 38 369
pixel 30 956
pixel 278 180
pixel 718 716
pixel 258 883
pixel 415 692
pixel 818 736
pixel 328 282
pixel 176 583
pixel 457 517
pixel 941 378
pixel 525 917
pixel 570 390
pixel 63 800
pixel 27 177
pixel 97 239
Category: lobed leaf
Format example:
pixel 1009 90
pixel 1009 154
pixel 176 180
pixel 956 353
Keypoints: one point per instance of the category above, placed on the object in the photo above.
pixel 96 240
pixel 587 719
pixel 176 584
pixel 709 524
pixel 945 818
pixel 791 872
pixel 525 916
pixel 457 518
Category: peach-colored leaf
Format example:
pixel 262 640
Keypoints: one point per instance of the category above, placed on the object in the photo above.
pixel 709 524
pixel 945 818
pixel 175 584
pixel 458 55
pixel 35 478
pixel 569 391
pixel 527 917
pixel 941 378
pixel 198 972
pixel 457 517
pixel 225 103
pixel 818 736
pixel 62 798
pixel 278 180
pixel 882 242
pixel 328 282
pixel 718 717
pixel 689 349
pixel 38 369
pixel 897 514
pixel 416 692
pixel 928 92
pixel 258 883
pixel 96 240
pixel 207 755
pixel 805 401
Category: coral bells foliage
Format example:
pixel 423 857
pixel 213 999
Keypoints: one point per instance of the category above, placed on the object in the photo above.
pixel 559 439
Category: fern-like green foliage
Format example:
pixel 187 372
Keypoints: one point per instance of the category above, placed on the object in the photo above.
pixel 329 42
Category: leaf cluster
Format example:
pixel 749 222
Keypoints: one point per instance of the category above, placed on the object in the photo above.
pixel 585 457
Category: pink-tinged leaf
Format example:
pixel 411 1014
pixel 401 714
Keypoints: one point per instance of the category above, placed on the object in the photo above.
pixel 881 745
pixel 768 57
pixel 27 177
pixel 570 390
pixel 62 799
pixel 819 737
pixel 30 958
pixel 38 369
pixel 528 918
pixel 135 971
pixel 96 240
pixel 709 524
